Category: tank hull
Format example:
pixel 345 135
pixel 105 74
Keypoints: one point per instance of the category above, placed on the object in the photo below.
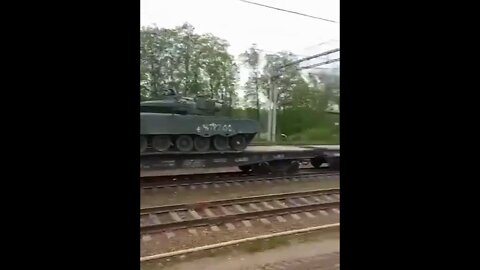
pixel 212 127
pixel 205 126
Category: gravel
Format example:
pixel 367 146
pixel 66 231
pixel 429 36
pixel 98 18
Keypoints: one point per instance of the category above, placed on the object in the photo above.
pixel 160 242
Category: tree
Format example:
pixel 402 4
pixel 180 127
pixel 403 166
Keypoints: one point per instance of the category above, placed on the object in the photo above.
pixel 193 64
pixel 284 79
pixel 251 58
pixel 329 83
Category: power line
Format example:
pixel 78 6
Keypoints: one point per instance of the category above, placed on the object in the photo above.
pixel 311 57
pixel 322 43
pixel 320 64
pixel 289 11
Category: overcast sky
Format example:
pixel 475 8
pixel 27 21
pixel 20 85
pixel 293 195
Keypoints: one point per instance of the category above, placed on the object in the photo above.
pixel 242 24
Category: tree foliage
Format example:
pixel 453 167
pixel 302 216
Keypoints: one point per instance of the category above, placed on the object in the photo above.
pixel 192 64
pixel 251 58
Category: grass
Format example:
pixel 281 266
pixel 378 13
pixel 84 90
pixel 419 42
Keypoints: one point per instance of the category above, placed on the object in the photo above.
pixel 310 136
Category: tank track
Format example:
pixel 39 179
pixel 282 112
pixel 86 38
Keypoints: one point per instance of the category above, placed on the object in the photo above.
pixel 188 143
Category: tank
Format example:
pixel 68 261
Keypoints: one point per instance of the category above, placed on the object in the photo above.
pixel 175 123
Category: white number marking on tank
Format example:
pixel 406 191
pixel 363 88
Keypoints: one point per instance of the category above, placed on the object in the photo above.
pixel 214 127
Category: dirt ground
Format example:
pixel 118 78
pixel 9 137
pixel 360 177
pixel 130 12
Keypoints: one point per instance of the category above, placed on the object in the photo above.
pixel 316 250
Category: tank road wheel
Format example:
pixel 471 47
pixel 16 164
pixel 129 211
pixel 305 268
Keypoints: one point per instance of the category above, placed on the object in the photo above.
pixel 184 143
pixel 220 143
pixel 161 143
pixel 143 144
pixel 201 144
pixel 238 142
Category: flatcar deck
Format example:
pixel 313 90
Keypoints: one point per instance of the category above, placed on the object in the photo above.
pixel 251 156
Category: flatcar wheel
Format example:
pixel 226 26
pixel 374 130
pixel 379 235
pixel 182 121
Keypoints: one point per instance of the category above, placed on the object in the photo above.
pixel 201 144
pixel 317 162
pixel 238 142
pixel 220 143
pixel 143 144
pixel 161 143
pixel 184 143
pixel 245 168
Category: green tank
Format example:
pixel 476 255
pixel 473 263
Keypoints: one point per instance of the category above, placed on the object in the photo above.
pixel 175 123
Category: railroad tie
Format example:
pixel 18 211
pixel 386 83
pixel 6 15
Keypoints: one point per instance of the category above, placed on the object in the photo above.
pixel 291 201
pixel 193 232
pixel 154 218
pixel 146 238
pixel 323 212
pixel 247 223
pixel 317 199
pixel 209 212
pixel 304 200
pixel 254 206
pixel 225 210
pixel 328 198
pixel 265 221
pixel 230 226
pixel 194 214
pixel 281 204
pixel 169 235
pixel 175 216
pixel 239 208
pixel 281 219
pixel 267 205
pixel 295 216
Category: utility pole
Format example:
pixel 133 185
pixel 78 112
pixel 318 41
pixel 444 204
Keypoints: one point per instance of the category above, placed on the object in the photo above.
pixel 274 111
pixel 274 116
pixel 270 110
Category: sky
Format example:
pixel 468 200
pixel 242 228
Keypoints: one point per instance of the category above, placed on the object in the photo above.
pixel 242 24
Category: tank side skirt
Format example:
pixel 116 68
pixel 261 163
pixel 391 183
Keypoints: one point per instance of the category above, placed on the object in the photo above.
pixel 153 124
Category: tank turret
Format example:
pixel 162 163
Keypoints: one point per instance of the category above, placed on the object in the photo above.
pixel 171 102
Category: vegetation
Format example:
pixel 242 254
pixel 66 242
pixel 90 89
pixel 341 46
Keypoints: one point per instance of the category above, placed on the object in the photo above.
pixel 200 64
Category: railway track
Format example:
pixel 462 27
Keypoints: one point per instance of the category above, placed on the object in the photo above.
pixel 228 179
pixel 212 213
pixel 151 180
